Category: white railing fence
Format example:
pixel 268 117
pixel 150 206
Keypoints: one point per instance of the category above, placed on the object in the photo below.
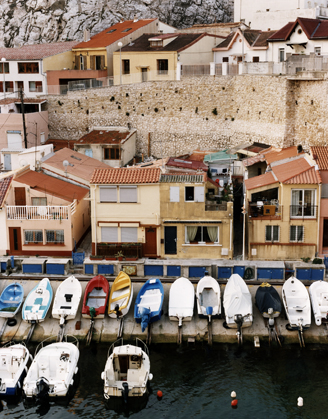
pixel 29 212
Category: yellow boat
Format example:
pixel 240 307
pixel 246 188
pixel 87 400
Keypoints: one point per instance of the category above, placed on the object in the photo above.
pixel 120 297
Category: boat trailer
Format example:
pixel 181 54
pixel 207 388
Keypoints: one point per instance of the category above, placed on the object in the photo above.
pixel 300 336
pixel 239 320
pixel 272 328
pixel 92 325
pixel 62 325
pixel 30 333
pixel 148 334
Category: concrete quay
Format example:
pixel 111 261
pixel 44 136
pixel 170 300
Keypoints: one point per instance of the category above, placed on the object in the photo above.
pixel 163 331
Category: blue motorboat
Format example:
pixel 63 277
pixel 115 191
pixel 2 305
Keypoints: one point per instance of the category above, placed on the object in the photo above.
pixel 149 303
pixel 11 300
pixel 37 302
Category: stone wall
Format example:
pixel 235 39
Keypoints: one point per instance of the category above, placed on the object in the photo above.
pixel 173 118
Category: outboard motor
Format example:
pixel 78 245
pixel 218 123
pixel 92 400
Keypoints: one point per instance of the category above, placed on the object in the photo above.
pixel 271 319
pixel 145 317
pixel 42 390
pixel 125 391
pixel 239 320
pixel 117 311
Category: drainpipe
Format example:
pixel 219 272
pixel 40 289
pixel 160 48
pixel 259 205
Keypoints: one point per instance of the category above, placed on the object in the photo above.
pixel 244 227
pixel 95 218
pixel 319 219
pixel 230 235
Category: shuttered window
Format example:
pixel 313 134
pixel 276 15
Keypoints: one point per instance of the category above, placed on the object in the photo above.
pixel 128 194
pixel 108 193
pixel 296 234
pixel 199 194
pixel 174 193
pixel 109 234
pixel 129 234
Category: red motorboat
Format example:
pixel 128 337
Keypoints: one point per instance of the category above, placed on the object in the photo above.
pixel 95 298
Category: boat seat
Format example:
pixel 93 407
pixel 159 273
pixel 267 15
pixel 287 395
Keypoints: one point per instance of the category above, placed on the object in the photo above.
pixel 133 376
pixel 65 307
pixel 68 297
pixel 44 364
pixel 38 301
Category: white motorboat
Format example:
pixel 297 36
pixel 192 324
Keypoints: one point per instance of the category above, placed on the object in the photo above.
pixel 53 370
pixel 67 300
pixel 37 302
pixel 319 299
pixel 297 304
pixel 127 370
pixel 181 300
pixel 237 303
pixel 208 297
pixel 13 368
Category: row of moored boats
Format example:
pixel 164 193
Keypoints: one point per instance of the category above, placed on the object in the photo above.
pixel 53 371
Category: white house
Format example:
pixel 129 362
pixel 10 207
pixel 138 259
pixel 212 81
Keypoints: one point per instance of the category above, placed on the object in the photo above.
pixel 273 14
pixel 27 157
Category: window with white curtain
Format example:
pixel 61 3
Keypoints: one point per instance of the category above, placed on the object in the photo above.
pixel 296 234
pixel 33 236
pixel 202 234
pixel 109 234
pixel 128 194
pixel 129 234
pixel 108 193
pixel 54 236
pixel 303 203
pixel 271 233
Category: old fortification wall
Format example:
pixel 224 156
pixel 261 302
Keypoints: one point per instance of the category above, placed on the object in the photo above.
pixel 172 118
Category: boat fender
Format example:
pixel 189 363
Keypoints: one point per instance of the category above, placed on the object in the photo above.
pixel 150 376
pixel 72 382
pixel 209 311
pixel 103 375
pixel 76 370
pixel 234 403
pixel 125 391
pixel 159 394
pixel 92 312
pixel 300 402
pixel 106 396
pixel 19 384
pixel 271 322
pixel 11 322
pixel 233 394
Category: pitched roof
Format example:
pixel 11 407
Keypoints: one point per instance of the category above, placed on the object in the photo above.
pixel 313 29
pixel 80 165
pixel 187 164
pixel 36 51
pixel 254 38
pixel 59 144
pixel 275 154
pixel 309 177
pixel 180 42
pixel 320 155
pixel 259 181
pixel 4 186
pixel 125 175
pixel 103 136
pixel 52 186
pixel 183 178
pixel 288 170
pixel 220 156
pixel 113 33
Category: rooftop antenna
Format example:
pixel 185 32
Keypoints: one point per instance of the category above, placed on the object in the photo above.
pixel 65 164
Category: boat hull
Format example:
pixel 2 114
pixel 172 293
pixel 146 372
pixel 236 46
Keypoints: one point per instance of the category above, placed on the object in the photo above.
pixel 121 295
pixel 37 302
pixel 67 299
pixel 208 296
pixel 11 300
pixel 181 300
pixel 297 304
pixel 96 296
pixel 319 300
pixel 266 298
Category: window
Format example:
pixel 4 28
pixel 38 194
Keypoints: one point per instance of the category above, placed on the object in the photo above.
pixel 194 193
pixel 55 236
pixel 126 30
pixel 111 31
pixel 174 194
pixel 39 201
pixel 112 153
pixel 296 234
pixel 33 236
pixel 126 66
pixel 271 233
pixel 129 234
pixel 162 66
pixel 317 50
pixel 28 68
pixel 281 54
pixel 156 44
pixel 88 152
pixel 303 201
pixel 20 85
pixel 256 59
pixel 109 234
pixel 97 62
pixel 108 193
pixel 82 62
pixel 225 59
pixel 35 86
pixel 9 86
pixel 202 235
pixel 239 59
pixel 128 194
pixel 4 66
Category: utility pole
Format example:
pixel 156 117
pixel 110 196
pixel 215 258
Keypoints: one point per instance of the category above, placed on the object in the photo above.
pixel 23 115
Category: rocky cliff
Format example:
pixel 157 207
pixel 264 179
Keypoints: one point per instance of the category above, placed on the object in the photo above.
pixel 40 21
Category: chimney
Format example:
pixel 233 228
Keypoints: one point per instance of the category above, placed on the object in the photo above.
pixel 299 148
pixel 86 35
pixel 135 19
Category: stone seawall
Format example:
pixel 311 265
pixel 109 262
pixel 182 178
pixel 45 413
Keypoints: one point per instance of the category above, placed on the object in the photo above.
pixel 173 118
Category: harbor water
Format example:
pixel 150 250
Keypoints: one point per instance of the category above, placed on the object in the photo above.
pixel 197 381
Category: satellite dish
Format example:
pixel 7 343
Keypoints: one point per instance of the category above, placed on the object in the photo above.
pixel 65 163
pixel 23 163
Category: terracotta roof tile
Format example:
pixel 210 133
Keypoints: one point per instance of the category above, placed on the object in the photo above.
pixel 308 177
pixel 276 154
pixel 36 51
pixel 4 186
pixel 259 181
pixel 262 40
pixel 187 164
pixel 225 43
pixel 52 186
pixel 113 34
pixel 126 176
pixel 287 171
pixel 104 136
pixel 320 155
pixel 313 29
pixel 283 33
pixel 59 144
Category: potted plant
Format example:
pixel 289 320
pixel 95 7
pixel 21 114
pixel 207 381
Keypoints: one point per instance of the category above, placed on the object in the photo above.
pixel 119 255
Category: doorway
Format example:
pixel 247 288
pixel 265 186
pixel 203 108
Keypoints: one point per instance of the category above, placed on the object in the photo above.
pixel 325 234
pixel 150 248
pixel 15 240
pixel 170 240
pixel 144 74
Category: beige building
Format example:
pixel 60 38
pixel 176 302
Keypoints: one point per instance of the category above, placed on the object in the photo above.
pixel 154 57
pixel 125 212
pixel 284 210
pixel 195 223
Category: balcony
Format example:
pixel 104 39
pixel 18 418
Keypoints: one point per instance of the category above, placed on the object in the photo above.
pixel 212 206
pixel 303 211
pixel 43 212
pixel 129 250
pixel 263 211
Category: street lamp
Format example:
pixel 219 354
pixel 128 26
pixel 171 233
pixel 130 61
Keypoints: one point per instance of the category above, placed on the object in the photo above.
pixel 120 46
pixel 4 78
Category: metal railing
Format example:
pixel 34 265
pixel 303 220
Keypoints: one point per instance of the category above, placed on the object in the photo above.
pixel 43 212
pixel 216 206
pixel 302 211
pixel 268 211
pixel 195 70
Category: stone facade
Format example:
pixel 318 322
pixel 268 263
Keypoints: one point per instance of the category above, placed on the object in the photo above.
pixel 172 118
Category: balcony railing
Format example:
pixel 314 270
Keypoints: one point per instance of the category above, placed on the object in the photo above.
pixel 129 250
pixel 303 211
pixel 29 212
pixel 216 206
